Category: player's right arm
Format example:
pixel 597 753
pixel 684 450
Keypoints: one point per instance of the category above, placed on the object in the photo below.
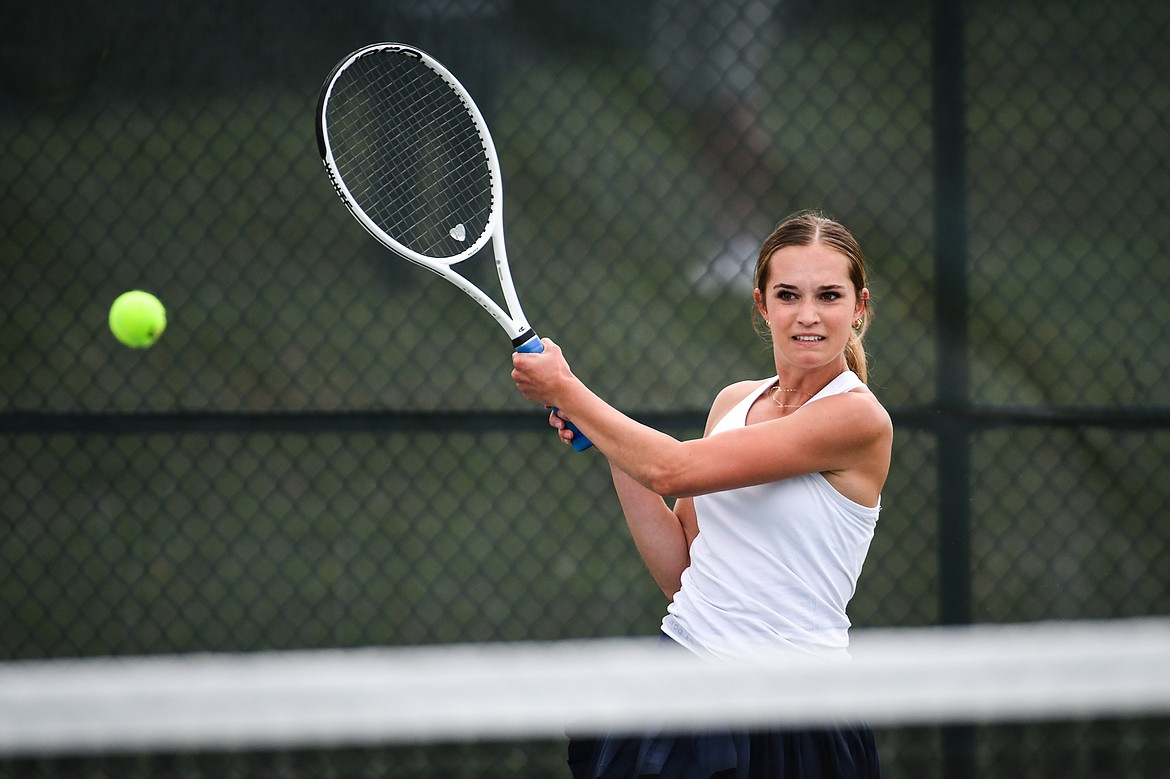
pixel 661 534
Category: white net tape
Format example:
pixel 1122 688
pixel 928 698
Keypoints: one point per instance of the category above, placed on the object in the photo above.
pixel 357 697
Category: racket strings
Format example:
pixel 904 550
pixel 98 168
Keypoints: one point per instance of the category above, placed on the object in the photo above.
pixel 411 154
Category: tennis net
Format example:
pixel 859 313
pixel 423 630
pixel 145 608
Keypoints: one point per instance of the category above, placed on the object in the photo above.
pixel 302 704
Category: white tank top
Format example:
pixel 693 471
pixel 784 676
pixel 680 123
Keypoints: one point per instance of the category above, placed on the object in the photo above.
pixel 774 565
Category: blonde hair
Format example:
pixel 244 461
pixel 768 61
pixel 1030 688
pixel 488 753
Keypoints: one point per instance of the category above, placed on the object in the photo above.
pixel 808 228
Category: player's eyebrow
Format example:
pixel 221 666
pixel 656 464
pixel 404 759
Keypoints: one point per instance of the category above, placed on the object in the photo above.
pixel 823 288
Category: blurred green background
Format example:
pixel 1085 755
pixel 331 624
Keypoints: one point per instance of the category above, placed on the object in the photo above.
pixel 325 448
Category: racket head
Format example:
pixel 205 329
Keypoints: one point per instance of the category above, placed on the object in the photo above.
pixel 409 153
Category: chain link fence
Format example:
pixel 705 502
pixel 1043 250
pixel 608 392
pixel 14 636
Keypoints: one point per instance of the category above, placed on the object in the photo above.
pixel 325 448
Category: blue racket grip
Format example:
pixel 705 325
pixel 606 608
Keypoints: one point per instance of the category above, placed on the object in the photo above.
pixel 532 345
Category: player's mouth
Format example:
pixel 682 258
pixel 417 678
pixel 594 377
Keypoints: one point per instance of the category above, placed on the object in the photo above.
pixel 808 339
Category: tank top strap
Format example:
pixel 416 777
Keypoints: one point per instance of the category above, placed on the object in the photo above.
pixel 845 382
pixel 737 416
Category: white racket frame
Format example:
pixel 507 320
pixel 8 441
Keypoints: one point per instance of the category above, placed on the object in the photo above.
pixel 513 320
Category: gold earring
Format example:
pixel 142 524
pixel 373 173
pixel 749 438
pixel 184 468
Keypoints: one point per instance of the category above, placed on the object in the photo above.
pixel 857 324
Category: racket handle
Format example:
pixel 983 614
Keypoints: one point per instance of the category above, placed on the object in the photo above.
pixel 533 346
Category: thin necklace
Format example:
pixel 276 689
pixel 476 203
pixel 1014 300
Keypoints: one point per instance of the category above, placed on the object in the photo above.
pixel 778 389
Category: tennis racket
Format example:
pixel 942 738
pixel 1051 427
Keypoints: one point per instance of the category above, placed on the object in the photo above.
pixel 411 157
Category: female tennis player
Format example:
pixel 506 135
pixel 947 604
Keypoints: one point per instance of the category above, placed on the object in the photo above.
pixel 773 508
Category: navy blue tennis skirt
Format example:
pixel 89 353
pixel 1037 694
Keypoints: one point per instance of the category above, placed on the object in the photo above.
pixel 838 753
pixel 823 753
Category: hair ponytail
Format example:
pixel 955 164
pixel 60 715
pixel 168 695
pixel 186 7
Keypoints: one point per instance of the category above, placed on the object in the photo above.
pixel 855 356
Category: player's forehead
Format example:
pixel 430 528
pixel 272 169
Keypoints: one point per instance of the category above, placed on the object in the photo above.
pixel 808 267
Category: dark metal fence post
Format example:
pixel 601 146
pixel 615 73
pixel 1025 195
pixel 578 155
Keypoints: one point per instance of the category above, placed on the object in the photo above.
pixel 951 298
pixel 951 302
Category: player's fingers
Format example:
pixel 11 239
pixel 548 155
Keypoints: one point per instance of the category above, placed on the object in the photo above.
pixel 558 420
pixel 522 383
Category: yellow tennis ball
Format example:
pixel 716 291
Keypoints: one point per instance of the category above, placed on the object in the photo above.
pixel 137 319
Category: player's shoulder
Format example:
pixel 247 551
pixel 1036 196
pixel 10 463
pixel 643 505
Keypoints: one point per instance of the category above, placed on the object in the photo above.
pixel 737 391
pixel 727 398
pixel 863 409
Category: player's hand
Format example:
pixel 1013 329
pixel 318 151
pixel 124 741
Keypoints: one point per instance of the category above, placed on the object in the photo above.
pixel 539 376
pixel 559 421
